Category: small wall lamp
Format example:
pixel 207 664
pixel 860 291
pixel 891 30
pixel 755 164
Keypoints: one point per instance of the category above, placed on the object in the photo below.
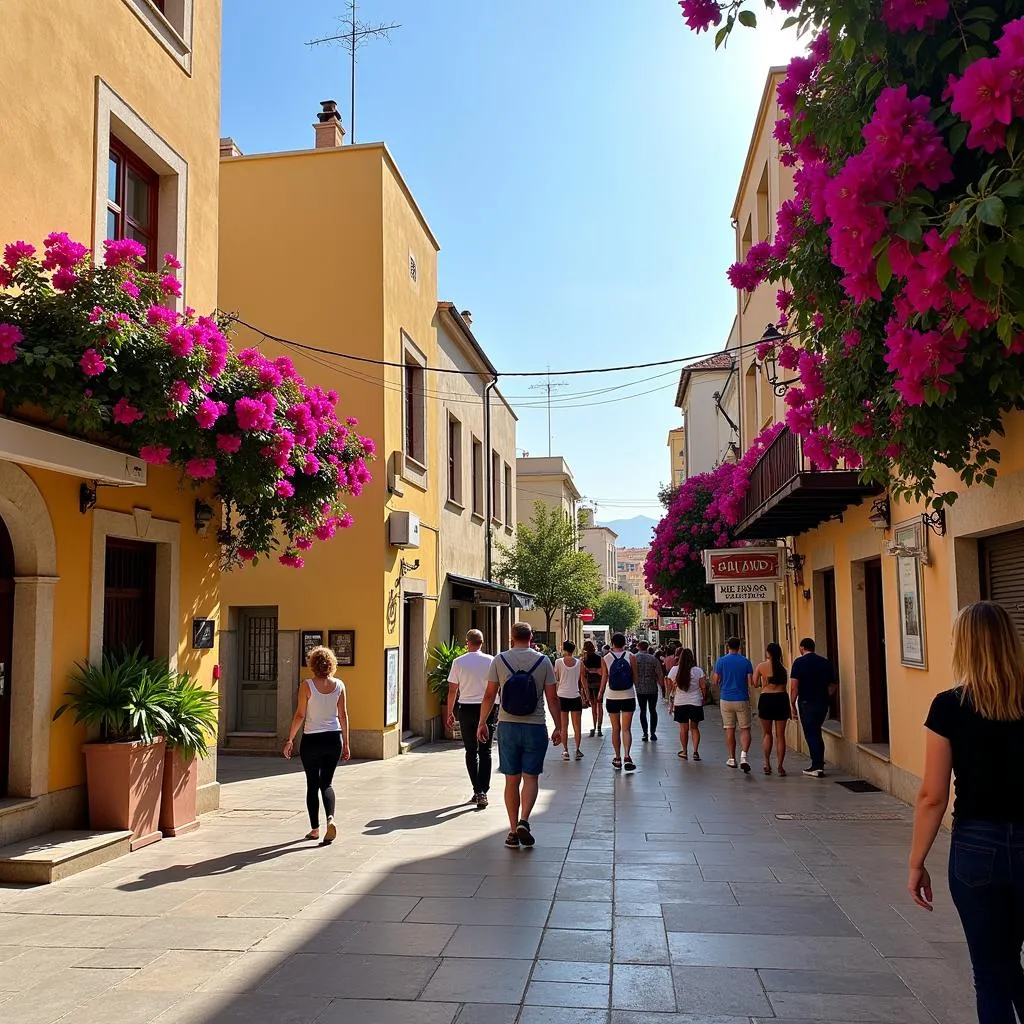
pixel 203 516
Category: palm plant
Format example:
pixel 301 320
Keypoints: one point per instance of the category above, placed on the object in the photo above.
pixel 127 697
pixel 442 656
pixel 193 717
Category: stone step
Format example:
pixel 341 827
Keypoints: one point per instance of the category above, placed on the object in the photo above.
pixel 56 855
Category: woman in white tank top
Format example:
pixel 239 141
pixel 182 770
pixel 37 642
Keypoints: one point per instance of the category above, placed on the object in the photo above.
pixel 324 737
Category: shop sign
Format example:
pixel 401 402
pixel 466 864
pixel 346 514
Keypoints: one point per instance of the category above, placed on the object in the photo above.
pixel 744 565
pixel 742 593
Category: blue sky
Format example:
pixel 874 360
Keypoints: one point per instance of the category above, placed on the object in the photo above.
pixel 578 162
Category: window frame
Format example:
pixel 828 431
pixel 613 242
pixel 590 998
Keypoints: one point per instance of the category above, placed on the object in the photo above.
pixel 127 160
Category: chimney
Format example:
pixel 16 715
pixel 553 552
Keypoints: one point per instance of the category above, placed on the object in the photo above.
pixel 228 147
pixel 467 316
pixel 328 130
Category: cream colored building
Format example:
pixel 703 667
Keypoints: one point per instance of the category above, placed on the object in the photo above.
pixel 677 456
pixel 476 443
pixel 599 543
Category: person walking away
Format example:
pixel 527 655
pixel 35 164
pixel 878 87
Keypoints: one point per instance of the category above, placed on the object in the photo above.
pixel 687 692
pixel 976 732
pixel 525 680
pixel 467 681
pixel 811 682
pixel 592 668
pixel 650 687
pixel 323 715
pixel 773 708
pixel 734 675
pixel 571 696
pixel 618 678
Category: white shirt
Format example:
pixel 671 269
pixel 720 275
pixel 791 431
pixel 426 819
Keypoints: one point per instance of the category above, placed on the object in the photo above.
pixel 609 693
pixel 469 673
pixel 568 677
pixel 322 709
pixel 692 696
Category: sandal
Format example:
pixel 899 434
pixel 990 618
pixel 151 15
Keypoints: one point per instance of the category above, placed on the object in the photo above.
pixel 512 841
pixel 682 755
pixel 630 767
pixel 696 756
pixel 617 763
pixel 579 755
pixel 767 769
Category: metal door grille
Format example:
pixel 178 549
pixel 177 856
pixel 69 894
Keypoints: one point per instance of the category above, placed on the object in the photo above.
pixel 260 650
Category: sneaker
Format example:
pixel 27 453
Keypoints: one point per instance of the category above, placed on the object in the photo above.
pixel 481 801
pixel 731 763
pixel 744 764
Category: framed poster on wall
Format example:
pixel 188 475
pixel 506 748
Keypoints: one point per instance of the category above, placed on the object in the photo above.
pixel 390 686
pixel 908 580
pixel 343 643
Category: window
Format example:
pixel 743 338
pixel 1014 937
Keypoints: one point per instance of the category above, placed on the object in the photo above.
pixel 132 190
pixel 454 460
pixel 415 413
pixel 508 495
pixel 496 487
pixel 478 478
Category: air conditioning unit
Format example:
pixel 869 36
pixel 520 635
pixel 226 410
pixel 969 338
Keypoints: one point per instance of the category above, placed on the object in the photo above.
pixel 404 530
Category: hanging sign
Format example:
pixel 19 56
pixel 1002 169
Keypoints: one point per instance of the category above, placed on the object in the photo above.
pixel 744 565
pixel 742 593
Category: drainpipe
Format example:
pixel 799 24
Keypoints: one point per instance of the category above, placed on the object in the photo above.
pixel 488 482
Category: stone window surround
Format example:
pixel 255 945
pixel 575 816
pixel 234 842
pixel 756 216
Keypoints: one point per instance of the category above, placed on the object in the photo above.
pixel 114 117
pixel 171 28
pixel 138 525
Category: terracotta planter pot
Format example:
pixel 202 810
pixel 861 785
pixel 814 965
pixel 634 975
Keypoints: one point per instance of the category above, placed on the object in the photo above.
pixel 178 806
pixel 125 782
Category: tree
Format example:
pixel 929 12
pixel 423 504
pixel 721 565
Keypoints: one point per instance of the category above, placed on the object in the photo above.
pixel 617 610
pixel 545 560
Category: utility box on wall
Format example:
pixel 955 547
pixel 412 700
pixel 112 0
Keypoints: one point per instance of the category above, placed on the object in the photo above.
pixel 404 530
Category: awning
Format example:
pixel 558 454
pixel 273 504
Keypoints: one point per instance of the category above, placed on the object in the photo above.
pixel 487 592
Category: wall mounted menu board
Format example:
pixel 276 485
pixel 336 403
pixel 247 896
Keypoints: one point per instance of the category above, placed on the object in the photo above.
pixel 343 643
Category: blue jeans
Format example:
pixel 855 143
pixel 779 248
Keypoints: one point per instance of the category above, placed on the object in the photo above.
pixel 986 881
pixel 812 717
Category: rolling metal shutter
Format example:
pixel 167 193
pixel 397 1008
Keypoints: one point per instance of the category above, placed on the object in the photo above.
pixel 1002 564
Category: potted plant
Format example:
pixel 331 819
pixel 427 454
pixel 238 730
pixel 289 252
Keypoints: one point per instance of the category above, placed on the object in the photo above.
pixel 126 699
pixel 442 657
pixel 193 713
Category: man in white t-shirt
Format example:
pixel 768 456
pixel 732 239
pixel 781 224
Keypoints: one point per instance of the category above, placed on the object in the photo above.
pixel 468 680
pixel 618 678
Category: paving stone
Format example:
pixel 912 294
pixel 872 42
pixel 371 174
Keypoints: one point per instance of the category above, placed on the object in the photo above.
pixel 719 990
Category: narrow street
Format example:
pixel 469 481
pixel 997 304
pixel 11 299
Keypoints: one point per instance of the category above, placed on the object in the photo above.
pixel 683 893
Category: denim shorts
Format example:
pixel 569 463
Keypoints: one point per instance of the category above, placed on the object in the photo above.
pixel 521 748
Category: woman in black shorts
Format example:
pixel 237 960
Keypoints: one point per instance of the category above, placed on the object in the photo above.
pixel 592 667
pixel 773 706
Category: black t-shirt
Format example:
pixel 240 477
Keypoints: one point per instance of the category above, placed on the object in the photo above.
pixel 814 676
pixel 988 780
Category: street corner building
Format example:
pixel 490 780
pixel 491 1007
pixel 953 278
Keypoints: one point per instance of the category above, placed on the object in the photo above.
pixel 355 306
pixel 109 131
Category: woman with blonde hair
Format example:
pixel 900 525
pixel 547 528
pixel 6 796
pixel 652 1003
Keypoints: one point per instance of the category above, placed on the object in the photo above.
pixel 976 733
pixel 323 716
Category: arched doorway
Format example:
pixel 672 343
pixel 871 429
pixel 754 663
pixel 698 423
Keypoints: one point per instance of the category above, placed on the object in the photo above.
pixel 6 651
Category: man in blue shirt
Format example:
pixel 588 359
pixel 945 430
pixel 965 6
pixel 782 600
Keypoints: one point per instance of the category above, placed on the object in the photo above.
pixel 733 675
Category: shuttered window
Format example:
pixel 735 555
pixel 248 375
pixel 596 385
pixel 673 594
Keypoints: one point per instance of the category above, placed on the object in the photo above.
pixel 1002 573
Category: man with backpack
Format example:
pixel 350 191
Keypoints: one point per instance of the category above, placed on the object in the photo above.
pixel 618 677
pixel 526 681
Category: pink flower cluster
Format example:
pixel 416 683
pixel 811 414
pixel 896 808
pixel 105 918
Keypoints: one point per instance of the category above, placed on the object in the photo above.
pixel 990 93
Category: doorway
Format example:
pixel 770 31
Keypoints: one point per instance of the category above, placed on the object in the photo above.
pixel 257 678
pixel 6 647
pixel 828 597
pixel 878 690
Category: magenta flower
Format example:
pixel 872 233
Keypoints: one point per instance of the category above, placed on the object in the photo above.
pixel 17 251
pixel 123 250
pixel 92 363
pixel 201 469
pixel 125 413
pixel 155 454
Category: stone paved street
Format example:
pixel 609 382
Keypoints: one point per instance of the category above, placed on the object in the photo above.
pixel 683 894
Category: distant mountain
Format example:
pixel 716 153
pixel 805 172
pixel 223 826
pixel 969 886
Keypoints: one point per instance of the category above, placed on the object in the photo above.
pixel 633 533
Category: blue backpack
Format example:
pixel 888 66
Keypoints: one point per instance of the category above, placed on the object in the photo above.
pixel 620 672
pixel 519 691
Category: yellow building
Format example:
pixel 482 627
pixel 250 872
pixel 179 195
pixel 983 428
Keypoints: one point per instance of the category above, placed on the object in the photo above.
pixel 877 582
pixel 103 100
pixel 328 247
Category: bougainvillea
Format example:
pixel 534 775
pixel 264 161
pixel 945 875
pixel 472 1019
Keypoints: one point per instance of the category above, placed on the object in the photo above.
pixel 702 515
pixel 900 259
pixel 103 352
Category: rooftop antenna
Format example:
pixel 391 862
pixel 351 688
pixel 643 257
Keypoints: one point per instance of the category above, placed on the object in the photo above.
pixel 547 386
pixel 356 33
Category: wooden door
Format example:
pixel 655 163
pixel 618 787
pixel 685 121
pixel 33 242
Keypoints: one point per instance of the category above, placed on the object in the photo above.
pixel 257 680
pixel 878 689
pixel 6 650
pixel 129 596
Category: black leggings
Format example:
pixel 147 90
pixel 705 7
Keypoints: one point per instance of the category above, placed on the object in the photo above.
pixel 645 701
pixel 320 753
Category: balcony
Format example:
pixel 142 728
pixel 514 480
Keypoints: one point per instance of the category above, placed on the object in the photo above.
pixel 787 497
